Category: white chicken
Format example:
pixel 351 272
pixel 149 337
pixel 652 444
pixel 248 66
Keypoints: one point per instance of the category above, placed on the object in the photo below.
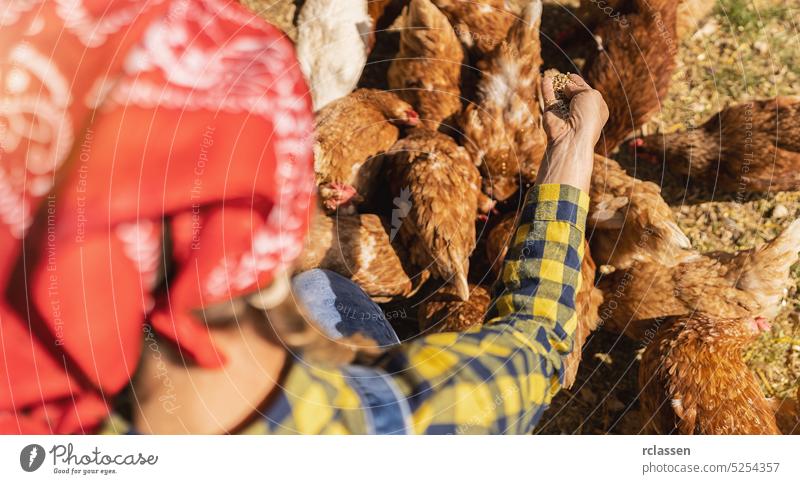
pixel 332 46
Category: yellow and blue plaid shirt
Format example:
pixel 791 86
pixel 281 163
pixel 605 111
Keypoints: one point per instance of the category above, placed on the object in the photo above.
pixel 496 379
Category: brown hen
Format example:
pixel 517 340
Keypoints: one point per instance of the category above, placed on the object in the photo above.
pixel 350 133
pixel 427 69
pixel 745 284
pixel 694 380
pixel 592 13
pixel 748 147
pixel 638 298
pixel 436 186
pixel 632 66
pixel 480 24
pixel 629 220
pixel 358 247
pixel 444 311
pixel 503 130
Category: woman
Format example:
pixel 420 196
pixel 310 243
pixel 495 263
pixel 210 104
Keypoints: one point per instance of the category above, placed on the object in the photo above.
pixel 175 174
pixel 125 125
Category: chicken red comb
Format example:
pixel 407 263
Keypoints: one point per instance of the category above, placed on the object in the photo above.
pixel 412 118
pixel 636 142
pixel 762 324
pixel 562 36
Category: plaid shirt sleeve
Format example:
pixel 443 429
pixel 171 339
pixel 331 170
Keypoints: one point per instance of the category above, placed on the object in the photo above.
pixel 495 379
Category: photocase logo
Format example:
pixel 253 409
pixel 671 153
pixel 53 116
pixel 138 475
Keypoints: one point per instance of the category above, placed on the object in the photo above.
pixel 402 205
pixel 31 457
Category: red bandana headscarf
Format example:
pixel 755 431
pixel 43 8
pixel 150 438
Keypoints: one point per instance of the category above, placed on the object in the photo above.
pixel 136 135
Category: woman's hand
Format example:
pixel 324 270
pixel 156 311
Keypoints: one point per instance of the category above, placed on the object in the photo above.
pixel 571 139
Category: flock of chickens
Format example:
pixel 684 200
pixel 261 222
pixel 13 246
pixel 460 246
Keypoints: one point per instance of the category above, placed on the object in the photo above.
pixel 421 175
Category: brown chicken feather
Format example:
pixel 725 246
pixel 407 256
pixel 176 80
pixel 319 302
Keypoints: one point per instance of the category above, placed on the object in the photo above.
pixel 438 186
pixel 746 283
pixel 638 298
pixel 444 311
pixel 384 12
pixel 503 130
pixel 694 380
pixel 350 133
pixel 787 414
pixel 480 24
pixel 358 247
pixel 591 13
pixel 748 147
pixel 498 240
pixel 427 69
pixel 587 305
pixel 629 220
pixel 764 271
pixel 632 66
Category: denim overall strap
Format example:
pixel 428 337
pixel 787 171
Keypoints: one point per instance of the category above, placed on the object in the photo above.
pixel 386 410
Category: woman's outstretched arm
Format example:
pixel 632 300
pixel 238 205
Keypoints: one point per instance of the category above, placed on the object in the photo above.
pixel 501 377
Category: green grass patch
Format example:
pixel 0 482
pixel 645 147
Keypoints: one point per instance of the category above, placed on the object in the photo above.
pixel 746 14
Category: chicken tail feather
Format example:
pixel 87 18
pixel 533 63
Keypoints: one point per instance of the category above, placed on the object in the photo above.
pixel 784 247
pixel 525 33
pixel 764 272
